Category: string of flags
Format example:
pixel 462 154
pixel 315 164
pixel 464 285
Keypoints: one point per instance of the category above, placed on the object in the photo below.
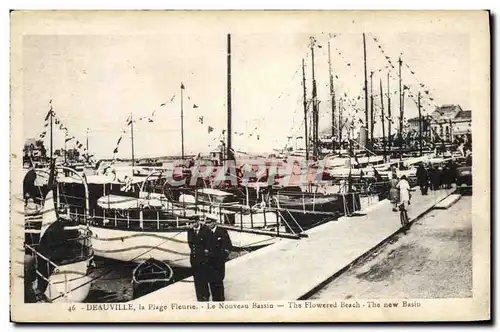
pixel 426 93
pixel 59 124
pixel 149 118
pixel 381 49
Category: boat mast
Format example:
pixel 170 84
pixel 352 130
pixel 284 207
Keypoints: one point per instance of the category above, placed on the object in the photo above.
pixel 230 154
pixel 306 137
pixel 51 113
pixel 65 144
pixel 87 140
pixel 389 113
pixel 182 121
pixel 382 116
pixel 366 83
pixel 372 121
pixel 132 140
pixel 400 134
pixel 332 95
pixel 419 124
pixel 315 103
pixel 341 106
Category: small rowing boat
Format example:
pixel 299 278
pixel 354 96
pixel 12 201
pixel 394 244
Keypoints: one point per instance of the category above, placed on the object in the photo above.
pixel 150 276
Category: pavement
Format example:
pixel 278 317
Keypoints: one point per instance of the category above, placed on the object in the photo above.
pixel 290 269
pixel 433 260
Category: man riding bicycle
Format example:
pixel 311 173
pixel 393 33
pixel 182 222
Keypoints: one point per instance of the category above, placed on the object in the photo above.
pixel 404 199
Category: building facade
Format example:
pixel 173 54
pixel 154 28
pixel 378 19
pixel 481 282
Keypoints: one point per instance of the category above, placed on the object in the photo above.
pixel 445 123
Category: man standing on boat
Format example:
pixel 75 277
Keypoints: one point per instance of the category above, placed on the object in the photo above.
pixel 219 245
pixel 198 239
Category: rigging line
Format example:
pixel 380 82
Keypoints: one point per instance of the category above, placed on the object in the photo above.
pixel 299 68
pixel 111 270
pixel 421 85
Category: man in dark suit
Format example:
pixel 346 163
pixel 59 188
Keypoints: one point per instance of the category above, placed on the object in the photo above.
pixel 219 245
pixel 422 179
pixel 197 240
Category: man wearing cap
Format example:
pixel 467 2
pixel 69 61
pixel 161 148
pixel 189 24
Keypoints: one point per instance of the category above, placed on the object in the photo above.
pixel 198 240
pixel 219 245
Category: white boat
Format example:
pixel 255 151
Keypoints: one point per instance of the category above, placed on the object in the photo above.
pixel 62 257
pixel 129 224
pixel 224 207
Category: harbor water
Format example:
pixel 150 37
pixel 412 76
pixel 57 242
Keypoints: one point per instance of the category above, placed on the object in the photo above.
pixel 113 280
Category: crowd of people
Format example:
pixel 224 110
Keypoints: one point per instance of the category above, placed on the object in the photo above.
pixel 433 177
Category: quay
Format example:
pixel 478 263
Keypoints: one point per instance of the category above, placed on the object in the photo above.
pixel 294 269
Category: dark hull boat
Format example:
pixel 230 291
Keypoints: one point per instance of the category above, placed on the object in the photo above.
pixel 309 209
pixel 150 276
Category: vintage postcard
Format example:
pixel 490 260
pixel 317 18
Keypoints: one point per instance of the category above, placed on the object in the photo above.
pixel 245 166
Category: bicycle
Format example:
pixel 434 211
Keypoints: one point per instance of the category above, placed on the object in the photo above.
pixel 403 215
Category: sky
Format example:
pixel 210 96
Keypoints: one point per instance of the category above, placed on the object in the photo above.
pixel 97 81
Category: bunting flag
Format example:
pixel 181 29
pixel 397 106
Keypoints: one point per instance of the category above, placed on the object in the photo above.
pixel 119 140
pixel 46 124
pixel 48 114
pixel 200 119
pixel 57 121
pixel 150 120
pixel 223 131
pixel 210 129
pixel 182 86
pixel 69 139
pixel 115 151
pixel 79 145
pixel 195 106
pixel 258 137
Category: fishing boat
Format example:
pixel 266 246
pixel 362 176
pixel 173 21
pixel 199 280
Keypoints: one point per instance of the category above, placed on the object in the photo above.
pixel 150 276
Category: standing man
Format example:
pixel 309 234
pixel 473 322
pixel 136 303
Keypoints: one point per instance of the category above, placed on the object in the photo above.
pixel 197 240
pixel 422 179
pixel 219 245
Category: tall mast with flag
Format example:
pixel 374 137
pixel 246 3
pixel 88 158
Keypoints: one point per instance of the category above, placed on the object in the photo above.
pixel 51 114
pixel 332 95
pixel 314 102
pixel 131 122
pixel 382 117
pixel 304 89
pixel 182 121
pixel 229 154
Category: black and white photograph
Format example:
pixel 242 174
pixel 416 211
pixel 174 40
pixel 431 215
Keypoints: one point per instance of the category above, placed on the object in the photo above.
pixel 233 166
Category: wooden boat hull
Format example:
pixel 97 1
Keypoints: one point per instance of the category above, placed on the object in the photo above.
pixel 169 246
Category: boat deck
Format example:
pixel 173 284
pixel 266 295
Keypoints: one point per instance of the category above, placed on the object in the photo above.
pixel 291 269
